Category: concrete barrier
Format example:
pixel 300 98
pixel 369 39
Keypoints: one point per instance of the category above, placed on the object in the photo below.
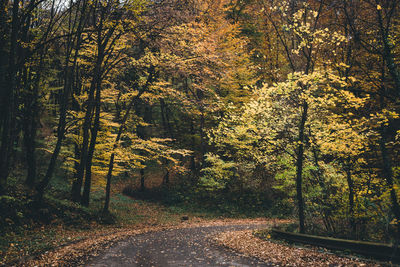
pixel 376 250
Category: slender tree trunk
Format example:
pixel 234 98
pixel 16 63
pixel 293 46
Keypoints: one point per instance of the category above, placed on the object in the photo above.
pixel 146 133
pixel 163 119
pixel 40 188
pixel 193 157
pixel 299 168
pixel 118 138
pixel 108 186
pixel 77 156
pixel 29 141
pixel 202 138
pixel 387 54
pixel 167 117
pixel 167 131
pixel 325 194
pixel 8 102
pixel 3 62
pixel 142 186
pixel 388 174
pixel 32 115
pixel 78 179
pixel 94 131
pixel 166 178
pixel 87 162
pixel 350 184
pixel 111 162
pixel 68 78
pixel 385 154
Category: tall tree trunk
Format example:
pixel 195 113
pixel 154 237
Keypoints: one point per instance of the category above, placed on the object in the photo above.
pixel 166 119
pixel 387 54
pixel 166 178
pixel 94 131
pixel 163 118
pixel 193 156
pixel 111 162
pixel 167 131
pixel 32 115
pixel 68 79
pixel 78 179
pixel 30 146
pixel 203 142
pixel 385 154
pixel 299 168
pixel 41 186
pixel 77 156
pixel 142 186
pixel 145 134
pixel 8 102
pixel 325 195
pixel 108 185
pixel 388 174
pixel 350 184
pixel 4 27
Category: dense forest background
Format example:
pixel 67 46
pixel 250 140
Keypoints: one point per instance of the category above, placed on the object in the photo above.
pixel 286 108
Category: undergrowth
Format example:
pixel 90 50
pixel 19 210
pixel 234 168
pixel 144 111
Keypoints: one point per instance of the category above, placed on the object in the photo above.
pixel 28 229
pixel 183 199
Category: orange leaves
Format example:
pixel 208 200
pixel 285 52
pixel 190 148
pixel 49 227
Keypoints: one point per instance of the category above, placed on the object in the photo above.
pixel 282 255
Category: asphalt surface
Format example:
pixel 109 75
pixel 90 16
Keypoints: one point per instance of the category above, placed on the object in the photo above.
pixel 179 247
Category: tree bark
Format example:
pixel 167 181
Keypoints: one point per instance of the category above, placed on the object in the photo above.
pixel 299 168
pixel 388 174
pixel 31 122
pixel 94 131
pixel 8 103
pixel 388 49
pixel 142 186
pixel 193 157
pixel 203 142
pixel 350 184
pixel 166 178
pixel 78 179
pixel 30 147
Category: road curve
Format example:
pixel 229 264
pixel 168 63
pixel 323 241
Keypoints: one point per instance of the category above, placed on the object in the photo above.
pixel 179 247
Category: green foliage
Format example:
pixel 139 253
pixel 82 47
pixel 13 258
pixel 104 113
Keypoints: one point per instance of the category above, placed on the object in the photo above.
pixel 219 173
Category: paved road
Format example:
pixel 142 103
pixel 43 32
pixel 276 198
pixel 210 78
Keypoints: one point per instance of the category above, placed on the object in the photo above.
pixel 182 247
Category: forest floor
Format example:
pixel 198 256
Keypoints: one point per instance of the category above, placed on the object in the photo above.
pixel 196 242
pixel 139 225
pixel 73 233
pixel 278 253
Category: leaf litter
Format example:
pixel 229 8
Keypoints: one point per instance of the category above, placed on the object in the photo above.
pixel 283 255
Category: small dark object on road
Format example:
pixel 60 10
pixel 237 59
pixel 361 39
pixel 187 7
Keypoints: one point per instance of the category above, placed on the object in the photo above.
pixel 185 218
